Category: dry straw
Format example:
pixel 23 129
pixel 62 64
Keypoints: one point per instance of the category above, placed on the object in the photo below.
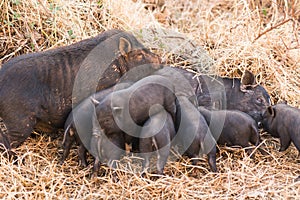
pixel 262 36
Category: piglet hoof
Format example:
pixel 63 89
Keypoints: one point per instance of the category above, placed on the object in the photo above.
pixel 96 168
pixel 281 149
pixel 83 163
pixel 115 177
pixel 194 161
pixel 157 176
pixel 212 164
pixel 134 151
pixel 61 162
pixel 160 173
pixel 250 153
pixel 144 171
pixel 99 172
pixel 213 168
pixel 263 151
pixel 144 174
pixel 152 176
pixel 12 157
pixel 93 175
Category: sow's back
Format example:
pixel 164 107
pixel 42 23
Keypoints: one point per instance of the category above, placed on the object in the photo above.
pixel 37 90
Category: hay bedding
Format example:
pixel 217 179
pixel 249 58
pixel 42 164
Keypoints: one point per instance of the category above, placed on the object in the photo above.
pixel 262 36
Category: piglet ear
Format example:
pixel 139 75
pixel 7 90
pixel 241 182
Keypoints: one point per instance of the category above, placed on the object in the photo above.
pixel 124 46
pixel 271 111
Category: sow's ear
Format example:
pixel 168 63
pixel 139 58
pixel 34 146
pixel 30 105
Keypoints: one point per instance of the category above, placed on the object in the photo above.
pixel 247 81
pixel 124 46
pixel 271 111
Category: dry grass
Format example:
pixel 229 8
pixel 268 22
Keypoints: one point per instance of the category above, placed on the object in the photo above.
pixel 262 36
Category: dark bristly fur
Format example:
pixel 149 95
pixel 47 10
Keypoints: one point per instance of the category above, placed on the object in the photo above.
pixel 36 89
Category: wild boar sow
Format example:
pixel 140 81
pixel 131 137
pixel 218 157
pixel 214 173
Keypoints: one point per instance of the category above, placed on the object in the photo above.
pixel 36 89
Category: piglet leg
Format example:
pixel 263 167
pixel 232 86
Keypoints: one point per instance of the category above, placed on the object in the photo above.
pixel 82 155
pixel 145 145
pixel 212 159
pixel 163 144
pixel 285 142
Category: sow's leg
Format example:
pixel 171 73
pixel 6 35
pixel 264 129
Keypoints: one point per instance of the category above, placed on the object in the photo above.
pixel 5 146
pixel 15 129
